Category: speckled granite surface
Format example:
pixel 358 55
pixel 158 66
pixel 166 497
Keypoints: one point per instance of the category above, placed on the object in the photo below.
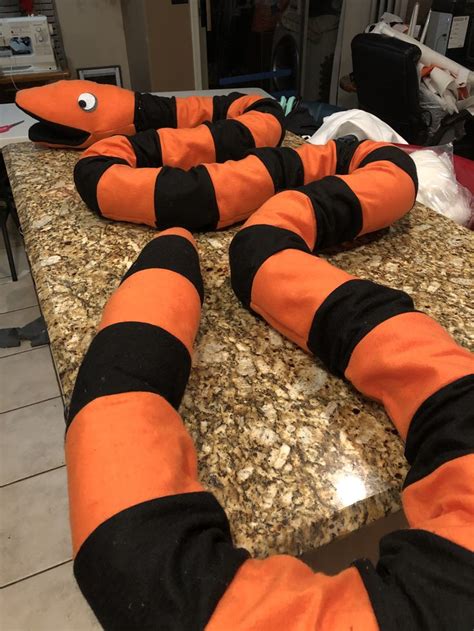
pixel 295 456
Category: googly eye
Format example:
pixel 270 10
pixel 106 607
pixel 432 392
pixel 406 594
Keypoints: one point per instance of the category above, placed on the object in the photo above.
pixel 87 102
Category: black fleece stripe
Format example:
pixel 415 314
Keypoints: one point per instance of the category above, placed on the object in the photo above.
pixel 422 581
pixel 186 199
pixel 221 104
pixel 171 252
pixel 87 173
pixel 132 357
pixel 283 164
pixel 347 315
pixel 397 156
pixel 163 564
pixel 442 429
pixel 250 248
pixel 153 112
pixel 147 148
pixel 337 209
pixel 231 139
pixel 346 146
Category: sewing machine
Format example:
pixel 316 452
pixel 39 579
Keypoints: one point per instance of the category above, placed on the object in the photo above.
pixel 25 45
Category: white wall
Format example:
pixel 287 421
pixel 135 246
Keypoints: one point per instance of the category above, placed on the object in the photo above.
pixel 93 34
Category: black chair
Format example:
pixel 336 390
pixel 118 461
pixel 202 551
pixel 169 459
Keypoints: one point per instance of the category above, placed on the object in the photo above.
pixel 386 76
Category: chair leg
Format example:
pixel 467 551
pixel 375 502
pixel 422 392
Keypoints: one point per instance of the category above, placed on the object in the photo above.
pixel 8 247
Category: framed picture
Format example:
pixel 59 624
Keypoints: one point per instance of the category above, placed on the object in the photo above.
pixel 106 74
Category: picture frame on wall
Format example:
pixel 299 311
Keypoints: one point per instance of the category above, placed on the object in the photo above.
pixel 104 74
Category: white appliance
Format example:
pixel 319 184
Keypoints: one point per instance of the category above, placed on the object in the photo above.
pixel 356 15
pixel 25 45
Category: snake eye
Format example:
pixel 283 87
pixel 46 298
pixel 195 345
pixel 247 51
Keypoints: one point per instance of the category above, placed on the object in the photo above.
pixel 87 102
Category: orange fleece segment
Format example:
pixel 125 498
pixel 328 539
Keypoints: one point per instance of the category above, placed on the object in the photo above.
pixel 186 148
pixel 318 160
pixel 288 289
pixel 156 296
pixel 363 150
pixel 113 147
pixel 140 187
pixel 238 107
pixel 241 186
pixel 192 111
pixel 121 450
pixel 291 210
pixel 398 194
pixel 443 502
pixel 403 361
pixel 265 128
pixel 282 593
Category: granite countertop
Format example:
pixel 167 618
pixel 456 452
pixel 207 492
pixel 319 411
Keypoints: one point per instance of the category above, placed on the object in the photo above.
pixel 295 455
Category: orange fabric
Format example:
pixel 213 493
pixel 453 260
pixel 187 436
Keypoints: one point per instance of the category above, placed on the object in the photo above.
pixel 186 148
pixel 307 280
pixel 363 151
pixel 379 180
pixel 240 188
pixel 58 103
pixel 443 502
pixel 116 147
pixel 282 593
pixel 291 210
pixel 403 361
pixel 156 296
pixel 264 127
pixel 139 187
pixel 318 160
pixel 180 232
pixel 121 450
pixel 192 111
pixel 239 105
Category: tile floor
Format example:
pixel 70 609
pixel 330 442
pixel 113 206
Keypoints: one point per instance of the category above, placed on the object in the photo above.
pixel 37 589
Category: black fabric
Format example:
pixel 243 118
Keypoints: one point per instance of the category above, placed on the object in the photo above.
pixel 441 429
pixel 347 315
pixel 422 583
pixel 87 174
pixel 153 112
pixel 174 253
pixel 147 148
pixel 221 104
pixel 301 122
pixel 284 166
pixel 397 156
pixel 132 357
pixel 163 564
pixel 186 199
pixel 346 146
pixel 231 139
pixel 250 248
pixel 337 209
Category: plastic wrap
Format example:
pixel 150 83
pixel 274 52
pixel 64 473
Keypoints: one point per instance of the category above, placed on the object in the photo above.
pixel 438 186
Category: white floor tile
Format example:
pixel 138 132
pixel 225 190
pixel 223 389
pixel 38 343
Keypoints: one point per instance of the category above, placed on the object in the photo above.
pixel 31 440
pixel 48 602
pixel 34 526
pixel 18 318
pixel 27 378
pixel 21 262
pixel 18 295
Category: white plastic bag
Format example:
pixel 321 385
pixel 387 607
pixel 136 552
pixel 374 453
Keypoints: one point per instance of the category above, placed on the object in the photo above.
pixel 438 188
